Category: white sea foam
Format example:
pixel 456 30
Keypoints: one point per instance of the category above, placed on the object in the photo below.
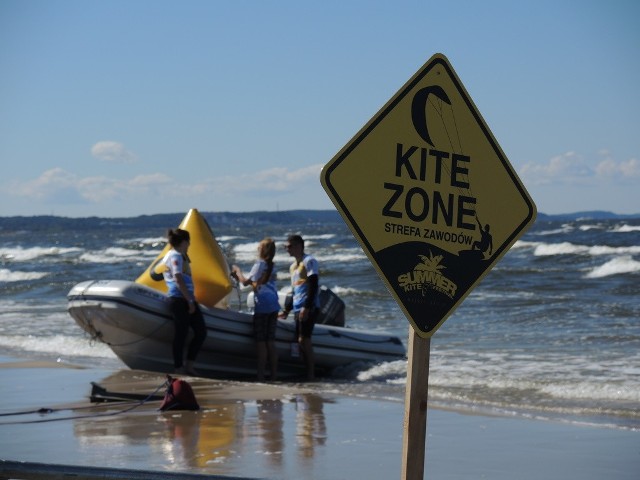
pixel 58 345
pixel 492 295
pixel 615 266
pixel 9 276
pixel 8 306
pixel 345 291
pixel 525 244
pixel 606 250
pixel 227 238
pixel 524 390
pixel 117 254
pixel 586 228
pixel 393 372
pixel 324 236
pixel 35 319
pixel 246 252
pixel 555 231
pixel 19 254
pixel 567 248
pixel 557 375
pixel 563 248
pixel 593 391
pixel 344 255
pixel 626 228
pixel 155 242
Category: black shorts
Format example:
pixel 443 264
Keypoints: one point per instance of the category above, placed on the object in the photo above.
pixel 305 329
pixel 264 326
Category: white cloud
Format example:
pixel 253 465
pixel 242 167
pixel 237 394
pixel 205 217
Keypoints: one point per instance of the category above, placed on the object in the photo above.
pixel 59 186
pixel 610 168
pixel 45 186
pixel 572 168
pixel 265 182
pixel 114 152
pixel 565 168
pixel 99 189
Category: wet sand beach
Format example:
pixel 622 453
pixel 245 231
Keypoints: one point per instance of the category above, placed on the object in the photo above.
pixel 282 431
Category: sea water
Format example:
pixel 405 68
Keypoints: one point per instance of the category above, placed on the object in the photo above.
pixel 553 331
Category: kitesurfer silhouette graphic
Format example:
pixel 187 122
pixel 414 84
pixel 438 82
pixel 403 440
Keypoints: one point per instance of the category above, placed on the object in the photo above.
pixel 486 240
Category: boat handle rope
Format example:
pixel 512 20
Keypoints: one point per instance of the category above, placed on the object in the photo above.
pixel 140 339
pixel 361 340
pixel 96 335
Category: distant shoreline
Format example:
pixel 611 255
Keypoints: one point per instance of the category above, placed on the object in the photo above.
pixel 284 217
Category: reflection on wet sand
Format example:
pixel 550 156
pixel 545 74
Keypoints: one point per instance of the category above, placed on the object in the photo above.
pixel 311 430
pixel 185 439
pixel 198 439
pixel 220 438
pixel 270 427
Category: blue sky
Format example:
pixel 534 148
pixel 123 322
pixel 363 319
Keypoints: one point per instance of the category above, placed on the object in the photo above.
pixel 120 108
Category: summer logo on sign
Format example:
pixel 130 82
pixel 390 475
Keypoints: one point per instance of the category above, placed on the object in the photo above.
pixel 426 276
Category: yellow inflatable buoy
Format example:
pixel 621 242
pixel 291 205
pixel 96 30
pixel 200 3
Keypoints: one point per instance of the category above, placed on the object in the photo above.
pixel 209 266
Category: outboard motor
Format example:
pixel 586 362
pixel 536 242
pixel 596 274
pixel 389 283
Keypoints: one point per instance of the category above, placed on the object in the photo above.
pixel 331 307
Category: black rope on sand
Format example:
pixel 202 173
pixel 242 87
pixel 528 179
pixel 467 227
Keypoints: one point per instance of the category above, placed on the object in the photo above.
pixel 75 417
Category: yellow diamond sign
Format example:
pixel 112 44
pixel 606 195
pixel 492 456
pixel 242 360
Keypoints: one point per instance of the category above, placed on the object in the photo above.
pixel 429 194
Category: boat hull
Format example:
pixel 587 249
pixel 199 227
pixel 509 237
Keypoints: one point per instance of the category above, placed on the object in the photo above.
pixel 135 322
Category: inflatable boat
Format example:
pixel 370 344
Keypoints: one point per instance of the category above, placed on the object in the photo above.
pixel 133 319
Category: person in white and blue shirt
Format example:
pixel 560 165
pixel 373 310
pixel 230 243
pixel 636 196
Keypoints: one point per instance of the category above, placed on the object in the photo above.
pixel 182 302
pixel 305 283
pixel 262 278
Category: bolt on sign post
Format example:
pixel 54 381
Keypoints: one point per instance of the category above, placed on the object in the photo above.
pixel 434 202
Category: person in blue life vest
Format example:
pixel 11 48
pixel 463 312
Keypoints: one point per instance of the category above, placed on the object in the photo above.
pixel 305 281
pixel 262 278
pixel 182 302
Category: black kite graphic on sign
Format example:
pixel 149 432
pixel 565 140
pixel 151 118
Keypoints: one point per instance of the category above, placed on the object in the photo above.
pixel 419 109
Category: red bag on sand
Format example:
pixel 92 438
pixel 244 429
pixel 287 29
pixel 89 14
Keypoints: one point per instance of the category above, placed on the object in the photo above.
pixel 179 396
